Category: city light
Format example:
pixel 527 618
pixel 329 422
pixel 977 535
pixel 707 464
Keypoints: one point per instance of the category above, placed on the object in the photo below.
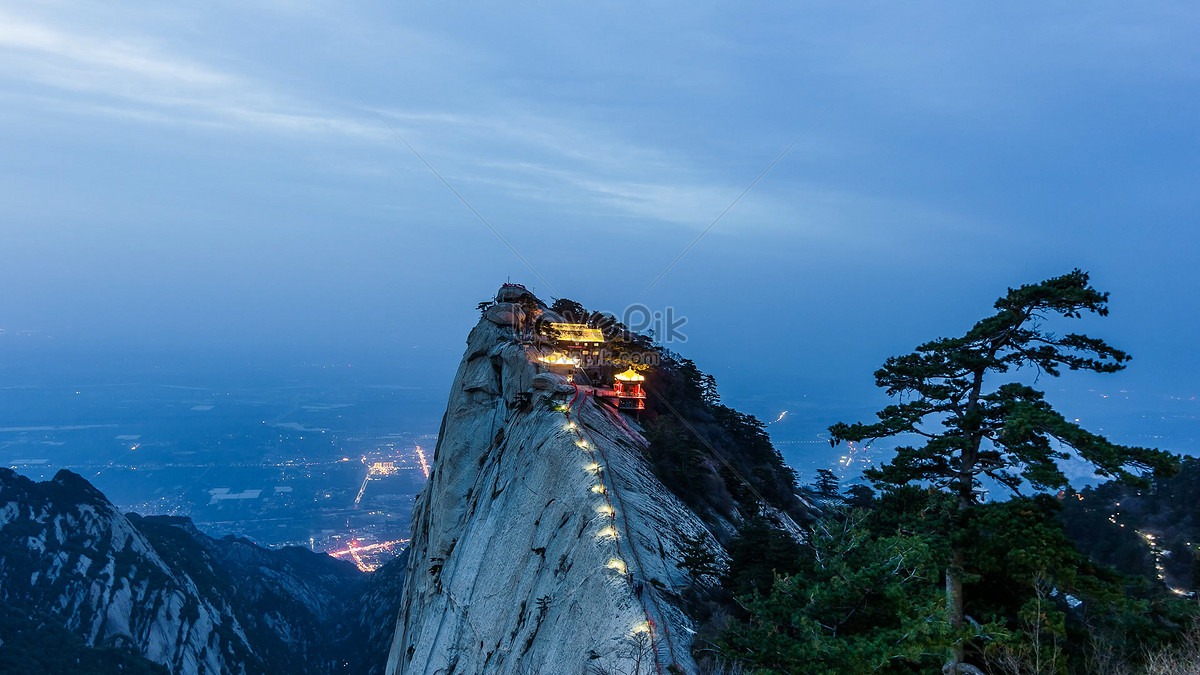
pixel 382 468
pixel 354 551
pixel 424 464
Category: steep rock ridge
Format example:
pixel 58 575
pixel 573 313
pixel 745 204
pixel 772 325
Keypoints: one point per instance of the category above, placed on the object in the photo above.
pixel 290 601
pixel 178 597
pixel 542 542
pixel 68 551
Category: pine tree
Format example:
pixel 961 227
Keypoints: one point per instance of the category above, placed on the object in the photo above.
pixel 758 553
pixel 858 602
pixel 973 427
pixel 827 485
pixel 859 497
pixel 696 557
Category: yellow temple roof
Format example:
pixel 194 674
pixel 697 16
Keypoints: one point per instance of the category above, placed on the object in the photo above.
pixel 630 375
pixel 577 332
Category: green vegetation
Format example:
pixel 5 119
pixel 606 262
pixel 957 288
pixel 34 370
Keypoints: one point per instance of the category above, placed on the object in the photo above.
pixel 865 594
pixel 718 460
pixel 1138 531
pixel 925 577
pixel 697 559
pixel 1009 433
pixel 857 602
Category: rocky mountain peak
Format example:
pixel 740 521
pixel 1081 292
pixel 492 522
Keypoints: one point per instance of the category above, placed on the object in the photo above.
pixel 543 542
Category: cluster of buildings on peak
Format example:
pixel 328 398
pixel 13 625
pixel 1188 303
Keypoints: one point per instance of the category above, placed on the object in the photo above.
pixel 578 351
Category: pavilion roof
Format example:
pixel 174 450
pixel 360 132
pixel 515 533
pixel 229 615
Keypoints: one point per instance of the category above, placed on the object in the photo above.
pixel 630 375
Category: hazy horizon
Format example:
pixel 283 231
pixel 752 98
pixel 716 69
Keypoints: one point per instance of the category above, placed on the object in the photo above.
pixel 219 194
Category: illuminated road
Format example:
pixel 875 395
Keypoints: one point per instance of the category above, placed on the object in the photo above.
pixel 424 464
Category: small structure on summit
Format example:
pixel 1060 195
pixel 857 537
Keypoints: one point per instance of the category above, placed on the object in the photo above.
pixel 628 389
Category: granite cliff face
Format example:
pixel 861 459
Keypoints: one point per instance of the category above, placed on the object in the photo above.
pixel 542 543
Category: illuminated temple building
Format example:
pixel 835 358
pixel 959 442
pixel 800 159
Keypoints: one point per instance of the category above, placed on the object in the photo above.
pixel 580 341
pixel 580 351
pixel 628 389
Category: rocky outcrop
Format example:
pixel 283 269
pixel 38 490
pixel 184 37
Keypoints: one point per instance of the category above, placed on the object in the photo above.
pixel 542 542
pixel 172 594
pixel 66 550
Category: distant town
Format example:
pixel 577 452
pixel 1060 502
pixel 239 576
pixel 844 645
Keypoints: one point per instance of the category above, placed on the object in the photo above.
pixel 291 466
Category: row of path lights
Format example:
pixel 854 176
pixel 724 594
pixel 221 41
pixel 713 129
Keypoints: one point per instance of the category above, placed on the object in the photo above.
pixel 609 531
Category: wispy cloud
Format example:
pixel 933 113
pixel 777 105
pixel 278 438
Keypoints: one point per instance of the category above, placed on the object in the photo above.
pixel 87 55
pixel 563 162
pixel 113 76
pixel 546 160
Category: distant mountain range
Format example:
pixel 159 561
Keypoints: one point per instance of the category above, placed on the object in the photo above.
pixel 85 588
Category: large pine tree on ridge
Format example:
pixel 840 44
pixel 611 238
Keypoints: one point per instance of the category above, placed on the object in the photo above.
pixel 973 427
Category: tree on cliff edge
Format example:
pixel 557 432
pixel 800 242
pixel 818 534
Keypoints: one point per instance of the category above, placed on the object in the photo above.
pixel 972 427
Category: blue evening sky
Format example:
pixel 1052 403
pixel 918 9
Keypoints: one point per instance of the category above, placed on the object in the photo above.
pixel 215 177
